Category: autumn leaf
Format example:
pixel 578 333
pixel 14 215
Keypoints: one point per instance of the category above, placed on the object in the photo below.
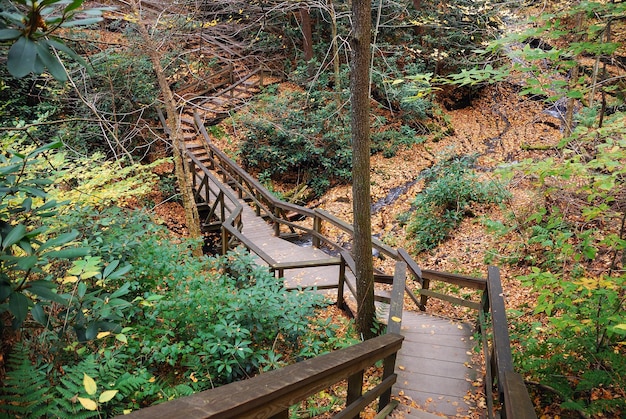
pixel 88 403
pixel 89 384
pixel 107 395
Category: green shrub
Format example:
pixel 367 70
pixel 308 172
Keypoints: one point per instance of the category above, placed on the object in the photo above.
pixel 576 352
pixel 451 188
pixel 300 140
pixel 234 311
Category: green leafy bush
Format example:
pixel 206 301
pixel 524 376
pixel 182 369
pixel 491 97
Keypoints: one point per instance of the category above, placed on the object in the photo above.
pixel 300 140
pixel 451 188
pixel 28 245
pixel 233 313
pixel 585 320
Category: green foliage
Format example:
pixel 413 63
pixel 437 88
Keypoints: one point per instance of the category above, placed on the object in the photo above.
pixel 28 25
pixel 389 141
pixel 582 315
pixel 451 188
pixel 301 139
pixel 453 31
pixel 25 389
pixel 305 138
pixel 235 312
pixel 27 245
pixel 574 241
pixel 98 182
pixel 231 316
pixel 583 28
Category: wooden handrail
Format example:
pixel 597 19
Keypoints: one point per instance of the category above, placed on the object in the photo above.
pixel 272 393
pixel 512 390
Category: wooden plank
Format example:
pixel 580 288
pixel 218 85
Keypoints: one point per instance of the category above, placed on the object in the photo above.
pixel 387 410
pixel 517 403
pixel 441 405
pixel 433 384
pixel 424 366
pixel 456 279
pixel 415 269
pixel 419 352
pixel 307 263
pixel 442 339
pixel 395 309
pixel 356 406
pixel 449 298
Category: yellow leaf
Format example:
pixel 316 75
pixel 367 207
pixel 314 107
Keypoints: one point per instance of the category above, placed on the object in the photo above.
pixel 88 403
pixel 396 319
pixel 90 385
pixel 70 279
pixel 107 395
pixel 102 335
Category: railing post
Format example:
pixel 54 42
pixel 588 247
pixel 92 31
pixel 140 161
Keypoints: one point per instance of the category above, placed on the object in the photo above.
pixel 341 284
pixel 257 207
pixel 224 240
pixel 355 388
pixel 397 299
pixel 240 189
pixel 276 223
pixel 222 209
pixel 424 298
pixel 389 366
pixel 317 228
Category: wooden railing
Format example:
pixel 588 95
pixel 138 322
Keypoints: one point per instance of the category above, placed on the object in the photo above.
pixel 269 395
pixel 512 393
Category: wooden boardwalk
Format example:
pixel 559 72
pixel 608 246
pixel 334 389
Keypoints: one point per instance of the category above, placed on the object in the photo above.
pixel 434 365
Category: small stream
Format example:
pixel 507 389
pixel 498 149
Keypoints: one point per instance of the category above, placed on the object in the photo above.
pixel 392 196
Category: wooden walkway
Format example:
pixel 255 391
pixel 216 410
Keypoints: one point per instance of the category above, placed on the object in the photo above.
pixel 261 234
pixel 434 366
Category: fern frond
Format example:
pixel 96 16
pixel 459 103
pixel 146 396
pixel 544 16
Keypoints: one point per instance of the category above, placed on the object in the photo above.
pixel 25 390
pixel 70 386
pixel 129 384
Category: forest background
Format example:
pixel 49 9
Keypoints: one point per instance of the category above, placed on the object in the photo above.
pixel 502 137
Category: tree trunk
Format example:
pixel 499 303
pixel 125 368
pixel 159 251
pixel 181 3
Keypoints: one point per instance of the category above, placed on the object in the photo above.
pixel 359 99
pixel 307 35
pixel 178 145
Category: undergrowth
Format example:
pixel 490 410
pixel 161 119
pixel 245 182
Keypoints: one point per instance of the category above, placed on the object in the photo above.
pixel 451 190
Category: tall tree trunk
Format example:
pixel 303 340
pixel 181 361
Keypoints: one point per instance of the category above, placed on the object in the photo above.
pixel 181 169
pixel 307 35
pixel 359 99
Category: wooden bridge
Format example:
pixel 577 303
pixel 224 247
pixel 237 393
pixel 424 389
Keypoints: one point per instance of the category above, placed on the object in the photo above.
pixel 427 358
